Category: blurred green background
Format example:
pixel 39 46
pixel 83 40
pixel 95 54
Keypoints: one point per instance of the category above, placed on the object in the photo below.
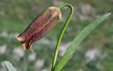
pixel 94 54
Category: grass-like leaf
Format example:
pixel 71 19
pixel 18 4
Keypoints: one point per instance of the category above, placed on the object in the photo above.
pixel 9 66
pixel 78 39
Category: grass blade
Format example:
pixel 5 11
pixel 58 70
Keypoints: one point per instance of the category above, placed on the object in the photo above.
pixel 9 66
pixel 78 39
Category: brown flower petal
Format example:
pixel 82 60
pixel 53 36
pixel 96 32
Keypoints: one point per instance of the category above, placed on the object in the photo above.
pixel 39 27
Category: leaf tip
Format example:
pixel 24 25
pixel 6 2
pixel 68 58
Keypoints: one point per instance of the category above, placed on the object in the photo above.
pixel 109 13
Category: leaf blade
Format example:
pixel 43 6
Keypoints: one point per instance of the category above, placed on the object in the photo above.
pixel 78 39
pixel 9 66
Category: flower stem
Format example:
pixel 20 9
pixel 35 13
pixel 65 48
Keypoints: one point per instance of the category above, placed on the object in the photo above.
pixel 62 32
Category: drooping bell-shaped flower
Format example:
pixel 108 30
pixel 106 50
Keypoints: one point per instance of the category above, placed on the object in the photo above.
pixel 39 27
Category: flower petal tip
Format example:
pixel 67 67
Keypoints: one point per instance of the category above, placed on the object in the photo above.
pixel 19 39
pixel 31 50
pixel 23 45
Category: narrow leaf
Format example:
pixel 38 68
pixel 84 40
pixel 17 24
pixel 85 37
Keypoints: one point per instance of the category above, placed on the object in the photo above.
pixel 78 39
pixel 9 66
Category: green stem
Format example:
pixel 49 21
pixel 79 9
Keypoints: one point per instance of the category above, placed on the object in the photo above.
pixel 62 32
